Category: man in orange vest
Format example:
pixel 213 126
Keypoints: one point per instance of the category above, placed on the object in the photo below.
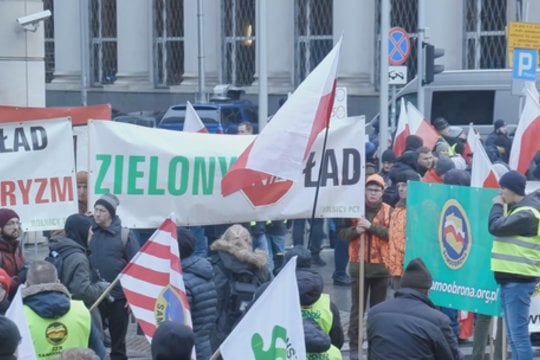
pixel 373 231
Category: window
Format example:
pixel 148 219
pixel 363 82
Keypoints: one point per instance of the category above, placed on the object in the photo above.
pixel 49 41
pixel 485 42
pixel 464 107
pixel 313 35
pixel 103 41
pixel 238 21
pixel 168 42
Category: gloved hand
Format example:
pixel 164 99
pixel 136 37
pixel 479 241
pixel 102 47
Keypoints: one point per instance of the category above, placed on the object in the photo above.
pixel 103 284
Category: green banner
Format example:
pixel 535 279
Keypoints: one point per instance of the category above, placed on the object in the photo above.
pixel 447 226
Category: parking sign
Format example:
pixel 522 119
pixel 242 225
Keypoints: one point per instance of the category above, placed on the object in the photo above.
pixel 524 66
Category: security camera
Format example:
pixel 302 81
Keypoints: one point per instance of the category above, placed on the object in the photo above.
pixel 31 22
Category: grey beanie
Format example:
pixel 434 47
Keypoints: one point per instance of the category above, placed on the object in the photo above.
pixel 444 163
pixel 416 275
pixel 110 202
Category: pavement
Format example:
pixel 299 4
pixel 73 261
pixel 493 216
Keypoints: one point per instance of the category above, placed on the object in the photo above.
pixel 139 348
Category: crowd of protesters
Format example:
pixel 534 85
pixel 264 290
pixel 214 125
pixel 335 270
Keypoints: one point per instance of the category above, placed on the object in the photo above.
pixel 225 267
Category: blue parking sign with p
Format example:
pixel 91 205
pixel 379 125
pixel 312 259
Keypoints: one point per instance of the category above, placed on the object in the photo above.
pixel 525 63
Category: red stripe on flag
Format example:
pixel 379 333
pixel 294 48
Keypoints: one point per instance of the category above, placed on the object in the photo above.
pixel 147 328
pixel 322 117
pixel 529 145
pixel 491 181
pixel 158 250
pixel 400 141
pixel 148 274
pixel 143 301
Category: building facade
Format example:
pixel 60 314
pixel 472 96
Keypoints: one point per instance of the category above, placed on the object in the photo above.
pixel 143 54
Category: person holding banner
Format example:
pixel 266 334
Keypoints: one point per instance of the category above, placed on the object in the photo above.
pixel 11 254
pixel 373 231
pixel 109 253
pixel 515 256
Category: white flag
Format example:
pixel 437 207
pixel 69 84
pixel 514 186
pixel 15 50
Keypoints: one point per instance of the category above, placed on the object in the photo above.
pixel 15 313
pixel 192 121
pixel 272 327
pixel 526 144
pixel 282 146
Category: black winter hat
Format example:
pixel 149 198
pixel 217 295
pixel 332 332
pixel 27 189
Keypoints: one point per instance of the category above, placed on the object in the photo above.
pixel 388 156
pixel 407 175
pixel 514 182
pixel 172 341
pixel 9 337
pixel 443 165
pixel 416 275
pixel 440 123
pixel 499 123
pixel 310 286
pixel 304 256
pixel 457 177
pixel 186 242
pixel 413 142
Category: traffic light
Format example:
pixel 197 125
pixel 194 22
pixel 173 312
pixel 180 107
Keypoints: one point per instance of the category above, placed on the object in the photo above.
pixel 430 68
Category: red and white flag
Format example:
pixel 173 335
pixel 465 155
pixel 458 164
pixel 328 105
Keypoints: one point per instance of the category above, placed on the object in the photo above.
pixel 482 172
pixel 281 147
pixel 420 126
pixel 402 130
pixel 192 121
pixel 153 284
pixel 526 143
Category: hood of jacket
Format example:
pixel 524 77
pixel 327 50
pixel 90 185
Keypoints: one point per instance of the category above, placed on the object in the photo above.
pixel 49 301
pixel 310 286
pixel 62 243
pixel 232 253
pixel 409 293
pixel 317 341
pixel 532 200
pixel 114 228
pixel 198 266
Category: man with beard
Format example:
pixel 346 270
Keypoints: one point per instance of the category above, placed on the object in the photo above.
pixel 424 160
pixel 11 255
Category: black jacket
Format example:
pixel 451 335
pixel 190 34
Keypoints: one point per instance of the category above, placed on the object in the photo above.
pixel 108 255
pixel 202 297
pixel 310 288
pixel 410 327
pixel 77 274
pixel 522 223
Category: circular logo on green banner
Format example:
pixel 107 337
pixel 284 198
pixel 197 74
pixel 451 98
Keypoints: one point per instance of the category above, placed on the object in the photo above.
pixel 454 234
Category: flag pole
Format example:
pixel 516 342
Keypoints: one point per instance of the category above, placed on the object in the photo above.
pixel 315 200
pixel 105 293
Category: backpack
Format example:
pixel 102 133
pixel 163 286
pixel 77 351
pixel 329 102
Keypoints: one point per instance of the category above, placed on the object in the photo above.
pixel 57 259
pixel 241 291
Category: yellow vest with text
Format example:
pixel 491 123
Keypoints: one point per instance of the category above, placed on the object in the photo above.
pixel 321 313
pixel 517 254
pixel 52 336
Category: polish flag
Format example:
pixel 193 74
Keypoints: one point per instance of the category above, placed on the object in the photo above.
pixel 420 126
pixel 526 143
pixel 402 130
pixel 468 148
pixel 281 147
pixel 482 172
pixel 192 122
pixel 153 284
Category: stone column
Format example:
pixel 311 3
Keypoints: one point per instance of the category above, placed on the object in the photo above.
pixel 67 44
pixel 355 20
pixel 441 16
pixel 22 66
pixel 212 45
pixel 134 39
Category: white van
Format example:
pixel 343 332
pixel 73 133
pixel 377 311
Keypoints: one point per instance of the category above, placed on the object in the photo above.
pixel 465 96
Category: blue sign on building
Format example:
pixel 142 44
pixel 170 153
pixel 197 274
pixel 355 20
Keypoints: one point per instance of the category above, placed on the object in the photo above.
pixel 525 64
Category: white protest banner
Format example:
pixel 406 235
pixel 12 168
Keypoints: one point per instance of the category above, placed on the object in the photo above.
pixel 534 310
pixel 38 165
pixel 154 172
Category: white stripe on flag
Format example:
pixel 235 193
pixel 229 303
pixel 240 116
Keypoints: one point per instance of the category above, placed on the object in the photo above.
pixel 144 314
pixel 154 263
pixel 140 286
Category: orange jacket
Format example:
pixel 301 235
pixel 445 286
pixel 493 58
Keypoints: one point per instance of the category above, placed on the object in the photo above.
pixel 376 248
pixel 431 177
pixel 396 240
